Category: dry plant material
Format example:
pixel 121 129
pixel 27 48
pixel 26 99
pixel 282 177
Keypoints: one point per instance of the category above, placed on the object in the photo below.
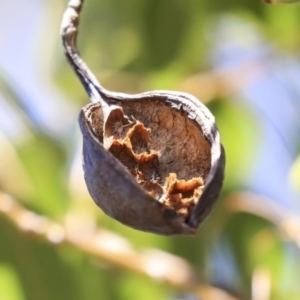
pixel 162 163
pixel 152 161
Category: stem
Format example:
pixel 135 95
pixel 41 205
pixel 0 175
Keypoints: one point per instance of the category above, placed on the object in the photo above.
pixel 69 31
pixel 286 221
pixel 113 249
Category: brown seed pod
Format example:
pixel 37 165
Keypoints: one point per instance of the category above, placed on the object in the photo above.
pixel 152 161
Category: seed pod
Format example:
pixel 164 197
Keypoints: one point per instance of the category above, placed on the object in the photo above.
pixel 152 161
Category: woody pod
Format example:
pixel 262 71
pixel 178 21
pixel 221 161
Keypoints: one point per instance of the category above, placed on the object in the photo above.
pixel 152 161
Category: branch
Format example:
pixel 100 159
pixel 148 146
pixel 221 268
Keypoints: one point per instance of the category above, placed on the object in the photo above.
pixel 111 248
pixel 287 222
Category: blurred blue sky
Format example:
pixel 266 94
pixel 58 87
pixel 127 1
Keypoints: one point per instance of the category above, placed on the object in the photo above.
pixel 25 35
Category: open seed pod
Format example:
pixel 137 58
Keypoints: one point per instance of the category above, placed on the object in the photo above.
pixel 152 161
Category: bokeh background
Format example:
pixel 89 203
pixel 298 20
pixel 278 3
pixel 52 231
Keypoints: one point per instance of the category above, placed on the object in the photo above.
pixel 241 58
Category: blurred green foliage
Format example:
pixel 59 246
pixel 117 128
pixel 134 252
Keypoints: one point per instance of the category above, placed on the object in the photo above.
pixel 133 46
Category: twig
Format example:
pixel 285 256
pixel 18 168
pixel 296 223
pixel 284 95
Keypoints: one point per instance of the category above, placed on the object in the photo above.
pixel 222 83
pixel 111 248
pixel 69 31
pixel 286 221
pixel 261 286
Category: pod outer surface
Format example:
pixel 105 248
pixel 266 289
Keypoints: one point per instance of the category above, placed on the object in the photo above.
pixel 117 193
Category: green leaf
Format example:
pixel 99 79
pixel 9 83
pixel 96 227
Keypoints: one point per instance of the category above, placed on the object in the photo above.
pixel 10 286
